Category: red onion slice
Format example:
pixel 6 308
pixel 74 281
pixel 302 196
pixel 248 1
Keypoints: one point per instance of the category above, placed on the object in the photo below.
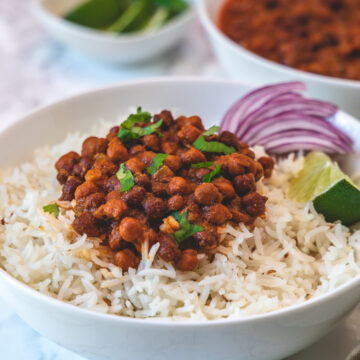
pixel 255 100
pixel 306 106
pixel 294 135
pixel 290 121
pixel 284 146
pixel 282 120
pixel 308 145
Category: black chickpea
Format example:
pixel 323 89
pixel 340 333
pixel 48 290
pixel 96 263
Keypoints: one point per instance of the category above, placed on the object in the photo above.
pixel 162 192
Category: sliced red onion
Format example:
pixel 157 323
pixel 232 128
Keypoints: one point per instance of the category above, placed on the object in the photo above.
pixel 286 148
pixel 295 135
pixel 286 96
pixel 289 121
pixel 294 145
pixel 282 120
pixel 255 100
pixel 306 106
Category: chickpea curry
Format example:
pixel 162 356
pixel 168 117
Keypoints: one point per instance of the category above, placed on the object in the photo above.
pixel 320 36
pixel 159 179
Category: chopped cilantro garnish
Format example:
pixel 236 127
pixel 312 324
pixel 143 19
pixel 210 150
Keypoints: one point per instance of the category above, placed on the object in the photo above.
pixel 125 135
pixel 187 229
pixel 139 117
pixel 203 164
pixel 207 164
pixel 52 209
pixel 212 146
pixel 214 129
pixel 158 161
pixel 125 177
pixel 151 128
pixel 215 173
pixel 137 132
pixel 129 131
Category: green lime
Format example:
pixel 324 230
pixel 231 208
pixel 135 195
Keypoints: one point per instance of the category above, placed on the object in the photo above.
pixel 134 18
pixel 333 193
pixel 97 14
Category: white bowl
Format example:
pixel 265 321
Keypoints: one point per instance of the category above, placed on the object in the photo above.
pixel 108 47
pixel 100 336
pixel 247 66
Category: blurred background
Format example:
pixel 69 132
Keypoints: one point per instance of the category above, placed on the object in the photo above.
pixel 36 69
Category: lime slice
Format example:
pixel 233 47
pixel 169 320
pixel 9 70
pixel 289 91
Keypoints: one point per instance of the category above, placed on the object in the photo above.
pixel 333 193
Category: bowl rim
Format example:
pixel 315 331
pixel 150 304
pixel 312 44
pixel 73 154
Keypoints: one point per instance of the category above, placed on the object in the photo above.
pixel 213 29
pixel 45 15
pixel 162 322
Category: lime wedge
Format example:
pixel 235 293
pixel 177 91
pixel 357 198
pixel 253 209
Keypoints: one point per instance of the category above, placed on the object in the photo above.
pixel 134 18
pixel 157 20
pixel 333 193
pixel 97 14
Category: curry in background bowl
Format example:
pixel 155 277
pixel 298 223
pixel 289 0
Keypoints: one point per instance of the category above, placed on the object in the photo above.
pixel 320 36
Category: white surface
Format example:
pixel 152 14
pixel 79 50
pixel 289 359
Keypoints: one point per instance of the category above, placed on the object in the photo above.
pixel 245 65
pixel 110 47
pixel 35 70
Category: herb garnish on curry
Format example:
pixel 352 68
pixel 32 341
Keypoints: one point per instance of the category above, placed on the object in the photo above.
pixel 160 179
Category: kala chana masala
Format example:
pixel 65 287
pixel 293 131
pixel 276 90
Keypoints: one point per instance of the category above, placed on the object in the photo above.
pixel 320 36
pixel 157 179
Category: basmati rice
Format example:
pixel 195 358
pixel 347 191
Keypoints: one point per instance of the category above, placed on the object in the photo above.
pixel 288 257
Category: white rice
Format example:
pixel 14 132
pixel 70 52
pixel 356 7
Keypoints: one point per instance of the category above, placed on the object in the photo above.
pixel 288 257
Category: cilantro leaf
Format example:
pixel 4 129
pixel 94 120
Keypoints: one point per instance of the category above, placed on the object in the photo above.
pixel 203 164
pixel 125 177
pixel 158 161
pixel 214 129
pixel 148 129
pixel 207 164
pixel 213 146
pixel 130 132
pixel 126 135
pixel 187 229
pixel 176 215
pixel 215 173
pixel 52 209
pixel 140 116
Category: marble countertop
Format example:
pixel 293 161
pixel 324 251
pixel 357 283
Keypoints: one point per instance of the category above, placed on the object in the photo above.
pixel 35 70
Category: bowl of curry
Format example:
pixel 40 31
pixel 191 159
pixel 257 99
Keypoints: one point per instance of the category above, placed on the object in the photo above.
pixel 143 232
pixel 270 40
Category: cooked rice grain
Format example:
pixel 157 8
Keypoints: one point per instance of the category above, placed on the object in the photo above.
pixel 287 258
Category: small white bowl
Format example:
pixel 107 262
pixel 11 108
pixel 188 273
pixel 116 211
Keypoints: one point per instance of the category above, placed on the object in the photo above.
pixel 271 336
pixel 109 47
pixel 243 64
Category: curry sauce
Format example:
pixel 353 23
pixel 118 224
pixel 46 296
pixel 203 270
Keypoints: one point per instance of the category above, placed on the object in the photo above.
pixel 319 36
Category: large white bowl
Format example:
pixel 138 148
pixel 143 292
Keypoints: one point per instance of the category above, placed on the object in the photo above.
pixel 109 47
pixel 247 66
pixel 264 337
